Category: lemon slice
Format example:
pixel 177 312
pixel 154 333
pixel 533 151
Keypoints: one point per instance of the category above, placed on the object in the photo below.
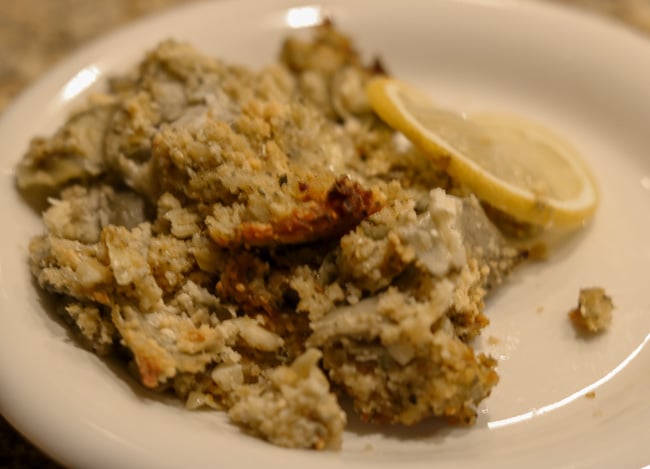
pixel 515 165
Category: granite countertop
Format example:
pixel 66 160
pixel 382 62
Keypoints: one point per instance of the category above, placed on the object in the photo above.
pixel 31 42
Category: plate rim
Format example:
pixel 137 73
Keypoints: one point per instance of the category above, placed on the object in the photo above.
pixel 85 54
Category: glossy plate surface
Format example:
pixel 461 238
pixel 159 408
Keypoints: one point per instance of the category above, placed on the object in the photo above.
pixel 583 77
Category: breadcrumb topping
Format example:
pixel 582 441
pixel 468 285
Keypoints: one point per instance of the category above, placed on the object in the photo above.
pixel 259 242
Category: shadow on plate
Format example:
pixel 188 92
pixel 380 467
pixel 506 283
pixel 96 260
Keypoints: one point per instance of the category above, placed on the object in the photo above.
pixel 433 429
pixel 116 361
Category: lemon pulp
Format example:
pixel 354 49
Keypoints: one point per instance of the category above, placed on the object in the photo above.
pixel 515 165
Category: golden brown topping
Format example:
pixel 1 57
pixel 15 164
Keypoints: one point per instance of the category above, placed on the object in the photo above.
pixel 343 207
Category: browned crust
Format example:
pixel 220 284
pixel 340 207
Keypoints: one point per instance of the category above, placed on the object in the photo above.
pixel 345 205
pixel 239 283
pixel 149 369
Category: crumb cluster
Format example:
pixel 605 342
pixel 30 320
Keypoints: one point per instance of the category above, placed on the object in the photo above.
pixel 594 311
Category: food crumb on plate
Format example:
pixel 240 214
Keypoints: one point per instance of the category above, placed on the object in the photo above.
pixel 492 340
pixel 594 311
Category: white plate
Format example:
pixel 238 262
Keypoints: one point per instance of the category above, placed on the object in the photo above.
pixel 581 76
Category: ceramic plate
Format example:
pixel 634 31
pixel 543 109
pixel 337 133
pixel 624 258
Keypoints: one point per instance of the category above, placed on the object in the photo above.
pixel 563 400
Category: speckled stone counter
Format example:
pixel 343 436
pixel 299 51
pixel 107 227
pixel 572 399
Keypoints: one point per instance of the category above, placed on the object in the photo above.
pixel 36 34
